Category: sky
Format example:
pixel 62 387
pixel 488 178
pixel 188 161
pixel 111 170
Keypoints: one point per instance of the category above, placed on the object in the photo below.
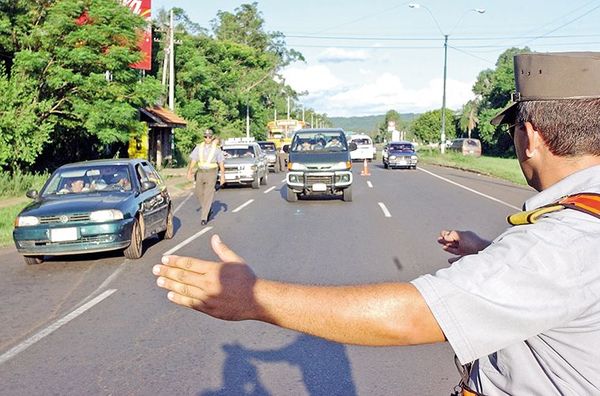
pixel 369 57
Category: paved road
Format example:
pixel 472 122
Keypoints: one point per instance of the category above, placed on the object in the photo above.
pixel 99 325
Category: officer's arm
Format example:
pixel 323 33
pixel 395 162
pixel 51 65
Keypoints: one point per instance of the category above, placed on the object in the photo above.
pixel 222 172
pixel 377 314
pixel 191 167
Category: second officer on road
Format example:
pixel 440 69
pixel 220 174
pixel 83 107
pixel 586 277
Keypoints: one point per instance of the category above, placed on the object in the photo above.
pixel 205 161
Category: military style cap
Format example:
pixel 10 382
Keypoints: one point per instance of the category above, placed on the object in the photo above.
pixel 553 76
pixel 208 132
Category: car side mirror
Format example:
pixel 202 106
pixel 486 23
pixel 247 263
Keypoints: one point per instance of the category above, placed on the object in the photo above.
pixel 286 148
pixel 33 194
pixel 148 185
pixel 352 146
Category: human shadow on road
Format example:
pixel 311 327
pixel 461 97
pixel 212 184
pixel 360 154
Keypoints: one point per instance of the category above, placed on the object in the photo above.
pixel 324 366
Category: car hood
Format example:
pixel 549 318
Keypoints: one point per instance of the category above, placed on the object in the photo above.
pixel 320 157
pixel 239 161
pixel 84 203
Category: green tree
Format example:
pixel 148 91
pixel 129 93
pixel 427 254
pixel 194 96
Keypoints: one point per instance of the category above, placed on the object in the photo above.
pixel 468 117
pixel 71 67
pixel 495 87
pixel 428 125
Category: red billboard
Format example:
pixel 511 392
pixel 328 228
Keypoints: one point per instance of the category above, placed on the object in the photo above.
pixel 142 8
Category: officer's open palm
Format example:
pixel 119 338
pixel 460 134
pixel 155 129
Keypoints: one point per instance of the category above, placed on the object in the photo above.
pixel 221 289
pixel 461 243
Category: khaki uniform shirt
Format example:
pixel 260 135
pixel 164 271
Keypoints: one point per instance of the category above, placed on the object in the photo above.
pixel 526 309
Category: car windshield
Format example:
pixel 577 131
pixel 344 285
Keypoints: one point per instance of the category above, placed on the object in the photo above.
pixel 267 146
pixel 472 142
pixel 401 147
pixel 319 141
pixel 238 152
pixel 360 142
pixel 87 179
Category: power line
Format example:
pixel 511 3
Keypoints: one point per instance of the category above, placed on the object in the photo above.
pixel 387 38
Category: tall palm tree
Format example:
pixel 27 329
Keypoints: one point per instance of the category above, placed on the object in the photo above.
pixel 468 117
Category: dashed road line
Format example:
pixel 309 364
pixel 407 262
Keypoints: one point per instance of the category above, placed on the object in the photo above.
pixel 269 190
pixel 242 206
pixel 470 189
pixel 369 184
pixel 190 239
pixel 54 326
pixel 384 209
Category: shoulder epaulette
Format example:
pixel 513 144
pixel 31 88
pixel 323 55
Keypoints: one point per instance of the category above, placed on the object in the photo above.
pixel 584 202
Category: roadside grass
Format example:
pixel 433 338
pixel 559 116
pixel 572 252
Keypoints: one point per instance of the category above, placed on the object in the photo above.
pixel 502 168
pixel 7 219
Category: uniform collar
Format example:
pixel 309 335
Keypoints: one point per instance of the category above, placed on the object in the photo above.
pixel 586 180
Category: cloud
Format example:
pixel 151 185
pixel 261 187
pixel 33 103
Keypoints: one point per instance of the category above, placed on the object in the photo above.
pixel 339 55
pixel 314 79
pixel 374 93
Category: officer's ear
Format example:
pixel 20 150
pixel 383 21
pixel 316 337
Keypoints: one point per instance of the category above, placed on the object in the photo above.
pixel 533 140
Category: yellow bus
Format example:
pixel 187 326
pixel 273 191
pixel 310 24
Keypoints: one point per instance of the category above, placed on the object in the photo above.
pixel 280 132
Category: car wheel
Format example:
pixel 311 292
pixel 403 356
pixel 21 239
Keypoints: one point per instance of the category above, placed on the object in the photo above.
pixel 170 230
pixel 347 197
pixel 134 250
pixel 256 182
pixel 291 195
pixel 33 260
pixel 265 178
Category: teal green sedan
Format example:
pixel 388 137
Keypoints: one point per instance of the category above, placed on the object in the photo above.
pixel 95 206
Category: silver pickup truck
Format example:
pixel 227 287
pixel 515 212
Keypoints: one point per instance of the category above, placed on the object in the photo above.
pixel 245 163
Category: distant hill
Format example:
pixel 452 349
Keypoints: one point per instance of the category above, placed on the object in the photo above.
pixel 365 124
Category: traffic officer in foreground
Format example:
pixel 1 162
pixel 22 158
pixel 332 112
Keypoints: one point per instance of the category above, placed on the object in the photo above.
pixel 522 312
pixel 205 160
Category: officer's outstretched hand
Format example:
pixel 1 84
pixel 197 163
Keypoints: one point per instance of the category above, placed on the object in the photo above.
pixel 223 289
pixel 461 243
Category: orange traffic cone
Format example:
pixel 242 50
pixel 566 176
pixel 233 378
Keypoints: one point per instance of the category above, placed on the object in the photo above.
pixel 365 171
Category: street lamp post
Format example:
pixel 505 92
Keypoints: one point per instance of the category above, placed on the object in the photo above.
pixel 477 10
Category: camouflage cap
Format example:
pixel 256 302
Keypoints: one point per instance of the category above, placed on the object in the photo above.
pixel 553 76
pixel 208 132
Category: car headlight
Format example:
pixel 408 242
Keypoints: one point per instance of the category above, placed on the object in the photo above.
pixel 344 165
pixel 106 215
pixel 25 221
pixel 414 157
pixel 249 167
pixel 392 157
pixel 297 166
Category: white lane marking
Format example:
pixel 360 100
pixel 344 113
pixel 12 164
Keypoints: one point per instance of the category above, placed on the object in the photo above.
pixel 242 206
pixel 269 190
pixel 53 327
pixel 369 184
pixel 385 210
pixel 190 239
pixel 470 189
pixel 182 203
pixel 284 180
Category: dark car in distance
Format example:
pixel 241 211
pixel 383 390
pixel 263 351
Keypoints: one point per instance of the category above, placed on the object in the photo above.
pixel 399 154
pixel 95 206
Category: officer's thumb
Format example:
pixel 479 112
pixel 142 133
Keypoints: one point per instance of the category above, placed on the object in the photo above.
pixel 225 254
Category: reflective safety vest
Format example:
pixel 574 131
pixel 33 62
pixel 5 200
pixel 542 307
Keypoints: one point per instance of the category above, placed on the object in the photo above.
pixel 584 202
pixel 208 162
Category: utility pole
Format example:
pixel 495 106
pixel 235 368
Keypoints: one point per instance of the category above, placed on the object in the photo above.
pixel 171 63
pixel 443 134
pixel 247 120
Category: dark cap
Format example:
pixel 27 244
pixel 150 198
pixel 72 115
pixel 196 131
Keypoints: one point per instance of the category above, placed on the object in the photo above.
pixel 553 76
pixel 208 132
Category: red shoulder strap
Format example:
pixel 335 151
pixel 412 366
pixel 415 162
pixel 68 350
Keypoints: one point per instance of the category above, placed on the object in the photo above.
pixel 585 202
